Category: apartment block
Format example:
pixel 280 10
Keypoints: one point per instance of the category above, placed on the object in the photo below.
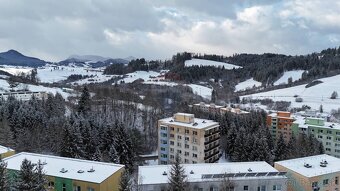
pixel 326 132
pixel 281 122
pixel 314 173
pixel 23 95
pixel 237 176
pixel 194 140
pixel 68 174
pixel 6 152
pixel 217 109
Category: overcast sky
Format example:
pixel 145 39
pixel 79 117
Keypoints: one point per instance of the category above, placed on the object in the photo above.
pixel 54 29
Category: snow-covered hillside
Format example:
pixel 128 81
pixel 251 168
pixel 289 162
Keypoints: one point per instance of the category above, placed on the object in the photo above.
pixel 248 84
pixel 5 87
pixel 50 74
pixel 295 75
pixel 313 96
pixel 202 62
pixel 146 76
pixel 15 70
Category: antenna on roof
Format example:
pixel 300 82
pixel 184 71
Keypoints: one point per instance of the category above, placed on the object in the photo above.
pixel 164 173
pixel 63 170
pixel 191 172
pixel 91 170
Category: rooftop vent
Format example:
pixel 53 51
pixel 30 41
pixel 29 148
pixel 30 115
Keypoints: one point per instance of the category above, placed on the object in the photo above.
pixel 191 172
pixel 91 170
pixel 171 121
pixel 164 173
pixel 307 165
pixel 80 171
pixel 250 170
pixel 203 121
pixel 195 124
pixel 323 163
pixel 63 170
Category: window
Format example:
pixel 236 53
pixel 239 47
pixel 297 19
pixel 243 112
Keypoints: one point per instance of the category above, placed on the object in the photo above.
pixel 164 142
pixel 337 180
pixel 172 135
pixel 90 189
pixel 186 160
pixel 328 149
pixel 171 150
pixel 261 188
pixel 172 129
pixel 186 153
pixel 164 128
pixel 76 188
pixel 194 132
pixel 329 132
pixel 162 149
pixel 325 182
pixel 194 140
pixel 329 138
pixel 179 151
pixel 194 148
pixel 194 162
pixel 314 184
pixel 245 187
pixel 187 138
pixel 212 188
pixel 64 187
pixel 51 184
pixel 186 146
pixel 172 143
pixel 178 130
pixel 164 156
pixel 277 188
pixel 337 133
pixel 328 143
pixel 172 156
pixel 179 137
pixel 179 144
pixel 186 131
pixel 194 155
pixel 320 136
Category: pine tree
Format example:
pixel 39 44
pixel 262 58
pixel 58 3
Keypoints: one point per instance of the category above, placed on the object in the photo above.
pixel 40 178
pixel 4 186
pixel 125 183
pixel 280 151
pixel 26 177
pixel 84 103
pixel 177 181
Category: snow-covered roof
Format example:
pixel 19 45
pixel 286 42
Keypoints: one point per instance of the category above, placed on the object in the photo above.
pixel 209 172
pixel 5 149
pixel 55 164
pixel 327 125
pixel 197 124
pixel 208 105
pixel 297 165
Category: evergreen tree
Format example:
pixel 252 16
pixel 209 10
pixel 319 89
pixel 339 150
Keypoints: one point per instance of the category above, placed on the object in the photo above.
pixel 177 181
pixel 280 151
pixel 125 182
pixel 26 177
pixel 84 103
pixel 40 178
pixel 4 185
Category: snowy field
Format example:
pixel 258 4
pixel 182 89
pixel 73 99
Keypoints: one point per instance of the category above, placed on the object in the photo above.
pixel 248 84
pixel 15 70
pixel 50 74
pixel 202 91
pixel 313 96
pixel 295 75
pixel 4 87
pixel 202 62
pixel 146 76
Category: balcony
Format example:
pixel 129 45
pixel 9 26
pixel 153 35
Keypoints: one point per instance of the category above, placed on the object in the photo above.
pixel 212 140
pixel 211 148
pixel 212 133
pixel 212 155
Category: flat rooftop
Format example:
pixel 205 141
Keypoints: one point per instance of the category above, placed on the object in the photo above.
pixel 55 164
pixel 197 124
pixel 5 149
pixel 297 165
pixel 209 172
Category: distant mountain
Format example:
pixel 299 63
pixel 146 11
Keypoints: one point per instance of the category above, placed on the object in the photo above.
pixel 15 58
pixel 92 60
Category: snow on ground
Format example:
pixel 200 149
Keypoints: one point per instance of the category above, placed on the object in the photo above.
pixel 202 62
pixel 202 91
pixel 313 96
pixel 50 74
pixel 95 79
pixel 248 84
pixel 146 76
pixel 295 75
pixel 15 70
pixel 5 87
pixel 161 83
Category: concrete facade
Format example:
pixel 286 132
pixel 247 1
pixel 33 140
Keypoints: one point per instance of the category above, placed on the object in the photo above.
pixel 194 140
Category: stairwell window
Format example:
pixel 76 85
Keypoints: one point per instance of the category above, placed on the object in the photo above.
pixel 64 187
pixel 277 188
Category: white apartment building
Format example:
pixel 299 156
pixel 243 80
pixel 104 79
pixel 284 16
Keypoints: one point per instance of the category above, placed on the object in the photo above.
pixel 195 140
